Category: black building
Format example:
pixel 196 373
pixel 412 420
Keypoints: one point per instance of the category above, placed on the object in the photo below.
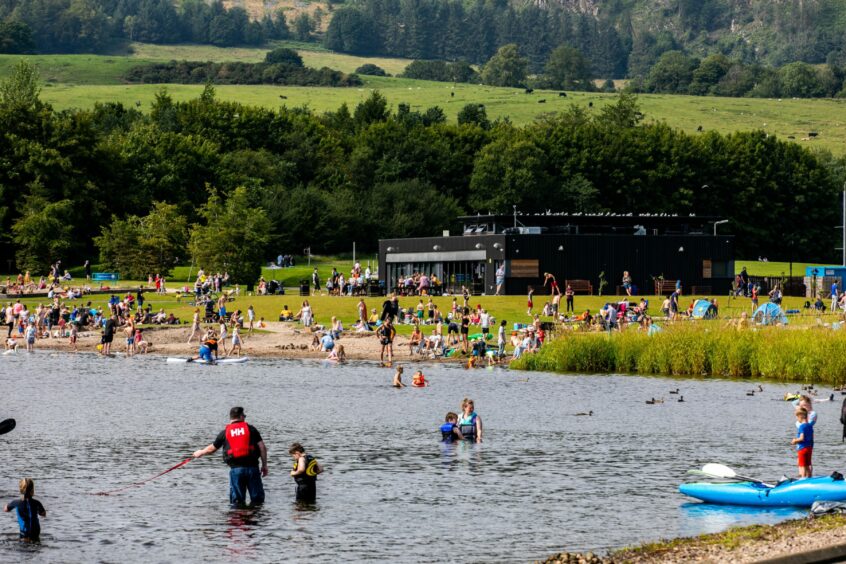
pixel 572 247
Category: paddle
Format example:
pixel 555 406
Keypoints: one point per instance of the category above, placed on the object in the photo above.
pixel 6 426
pixel 723 471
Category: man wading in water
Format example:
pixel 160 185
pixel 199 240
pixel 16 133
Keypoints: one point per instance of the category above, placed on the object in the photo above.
pixel 242 448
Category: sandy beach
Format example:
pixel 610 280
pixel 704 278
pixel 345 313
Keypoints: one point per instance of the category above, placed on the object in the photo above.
pixel 275 340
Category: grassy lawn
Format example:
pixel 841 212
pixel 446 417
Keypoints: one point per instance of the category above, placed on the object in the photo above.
pixel 510 308
pixel 79 81
pixel 758 268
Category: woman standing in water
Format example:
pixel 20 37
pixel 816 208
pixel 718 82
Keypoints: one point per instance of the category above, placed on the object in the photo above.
pixel 469 423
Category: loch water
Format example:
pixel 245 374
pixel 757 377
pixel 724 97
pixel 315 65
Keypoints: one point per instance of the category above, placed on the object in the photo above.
pixel 545 480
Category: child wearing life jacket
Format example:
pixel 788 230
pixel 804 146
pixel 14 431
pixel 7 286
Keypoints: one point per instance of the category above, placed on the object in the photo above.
pixel 28 510
pixel 418 380
pixel 304 472
pixel 449 430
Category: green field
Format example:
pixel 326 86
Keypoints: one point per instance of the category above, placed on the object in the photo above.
pixel 79 81
pixel 758 268
pixel 313 55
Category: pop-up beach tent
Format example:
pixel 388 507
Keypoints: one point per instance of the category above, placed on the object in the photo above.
pixel 769 314
pixel 703 309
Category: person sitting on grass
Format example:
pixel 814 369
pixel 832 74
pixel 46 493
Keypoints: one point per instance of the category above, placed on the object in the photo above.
pixel 286 314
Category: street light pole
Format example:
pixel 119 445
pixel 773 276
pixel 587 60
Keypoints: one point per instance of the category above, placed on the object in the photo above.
pixel 716 223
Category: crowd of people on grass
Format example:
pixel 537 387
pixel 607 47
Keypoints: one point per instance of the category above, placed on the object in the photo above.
pixel 357 283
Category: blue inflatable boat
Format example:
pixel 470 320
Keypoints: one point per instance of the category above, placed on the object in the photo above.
pixel 799 493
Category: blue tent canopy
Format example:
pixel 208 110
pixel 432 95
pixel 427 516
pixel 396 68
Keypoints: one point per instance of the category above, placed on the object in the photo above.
pixel 769 314
pixel 703 309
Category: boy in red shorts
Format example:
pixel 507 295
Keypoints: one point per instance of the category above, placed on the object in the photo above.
pixel 804 442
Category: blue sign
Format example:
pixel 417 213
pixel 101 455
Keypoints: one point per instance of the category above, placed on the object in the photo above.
pixel 103 276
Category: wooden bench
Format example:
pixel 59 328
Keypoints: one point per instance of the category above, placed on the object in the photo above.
pixel 580 286
pixel 665 287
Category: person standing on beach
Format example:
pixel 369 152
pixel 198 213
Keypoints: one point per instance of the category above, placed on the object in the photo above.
pixel 108 335
pixel 386 334
pixel 251 317
pixel 243 449
pixel 195 324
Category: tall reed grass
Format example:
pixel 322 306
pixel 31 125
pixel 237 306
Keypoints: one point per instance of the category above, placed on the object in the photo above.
pixel 810 355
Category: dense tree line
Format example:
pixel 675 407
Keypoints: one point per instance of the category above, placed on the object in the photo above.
pixel 282 66
pixel 369 172
pixel 441 71
pixel 717 75
pixel 617 38
pixel 71 26
pixel 452 30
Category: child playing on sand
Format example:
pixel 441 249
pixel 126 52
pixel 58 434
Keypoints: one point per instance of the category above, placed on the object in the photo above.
pixel 337 354
pixel 28 510
pixel 804 442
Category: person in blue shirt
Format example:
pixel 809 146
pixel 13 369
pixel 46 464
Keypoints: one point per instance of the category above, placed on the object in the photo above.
pixel 804 442
pixel 28 510
pixel 834 296
pixel 327 343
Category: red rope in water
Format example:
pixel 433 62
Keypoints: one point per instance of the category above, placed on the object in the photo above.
pixel 141 483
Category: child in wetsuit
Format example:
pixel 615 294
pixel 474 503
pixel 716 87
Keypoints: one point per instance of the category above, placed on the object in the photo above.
pixel 28 510
pixel 449 430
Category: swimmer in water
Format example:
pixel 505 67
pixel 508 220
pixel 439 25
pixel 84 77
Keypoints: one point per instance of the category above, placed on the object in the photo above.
pixel 398 378
pixel 418 380
pixel 28 509
pixel 449 430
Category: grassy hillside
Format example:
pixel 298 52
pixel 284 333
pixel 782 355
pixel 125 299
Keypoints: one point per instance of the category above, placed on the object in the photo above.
pixel 783 118
pixel 313 55
pixel 81 80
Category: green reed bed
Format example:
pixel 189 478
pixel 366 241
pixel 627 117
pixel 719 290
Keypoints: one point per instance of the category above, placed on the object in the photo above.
pixel 811 355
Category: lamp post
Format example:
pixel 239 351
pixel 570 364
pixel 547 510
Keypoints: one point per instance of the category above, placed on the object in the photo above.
pixel 720 222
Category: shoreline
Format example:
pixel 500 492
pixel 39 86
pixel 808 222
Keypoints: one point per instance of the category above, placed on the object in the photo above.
pixel 278 340
pixel 752 543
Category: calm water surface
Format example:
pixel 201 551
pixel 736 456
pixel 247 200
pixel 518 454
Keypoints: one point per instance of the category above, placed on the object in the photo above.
pixel 544 481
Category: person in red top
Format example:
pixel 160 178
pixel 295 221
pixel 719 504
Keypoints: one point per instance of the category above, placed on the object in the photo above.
pixel 242 447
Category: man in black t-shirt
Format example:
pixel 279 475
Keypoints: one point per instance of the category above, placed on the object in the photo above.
pixel 243 448
pixel 108 334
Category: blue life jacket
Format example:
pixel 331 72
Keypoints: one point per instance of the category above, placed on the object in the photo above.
pixel 448 432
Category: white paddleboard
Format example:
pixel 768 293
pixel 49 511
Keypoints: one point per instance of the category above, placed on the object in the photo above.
pixel 234 360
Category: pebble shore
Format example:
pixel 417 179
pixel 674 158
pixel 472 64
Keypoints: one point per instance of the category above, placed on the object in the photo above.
pixel 739 544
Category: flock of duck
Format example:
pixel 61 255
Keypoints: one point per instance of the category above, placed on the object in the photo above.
pixel 808 388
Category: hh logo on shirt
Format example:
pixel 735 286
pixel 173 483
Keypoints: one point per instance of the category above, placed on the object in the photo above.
pixel 237 432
